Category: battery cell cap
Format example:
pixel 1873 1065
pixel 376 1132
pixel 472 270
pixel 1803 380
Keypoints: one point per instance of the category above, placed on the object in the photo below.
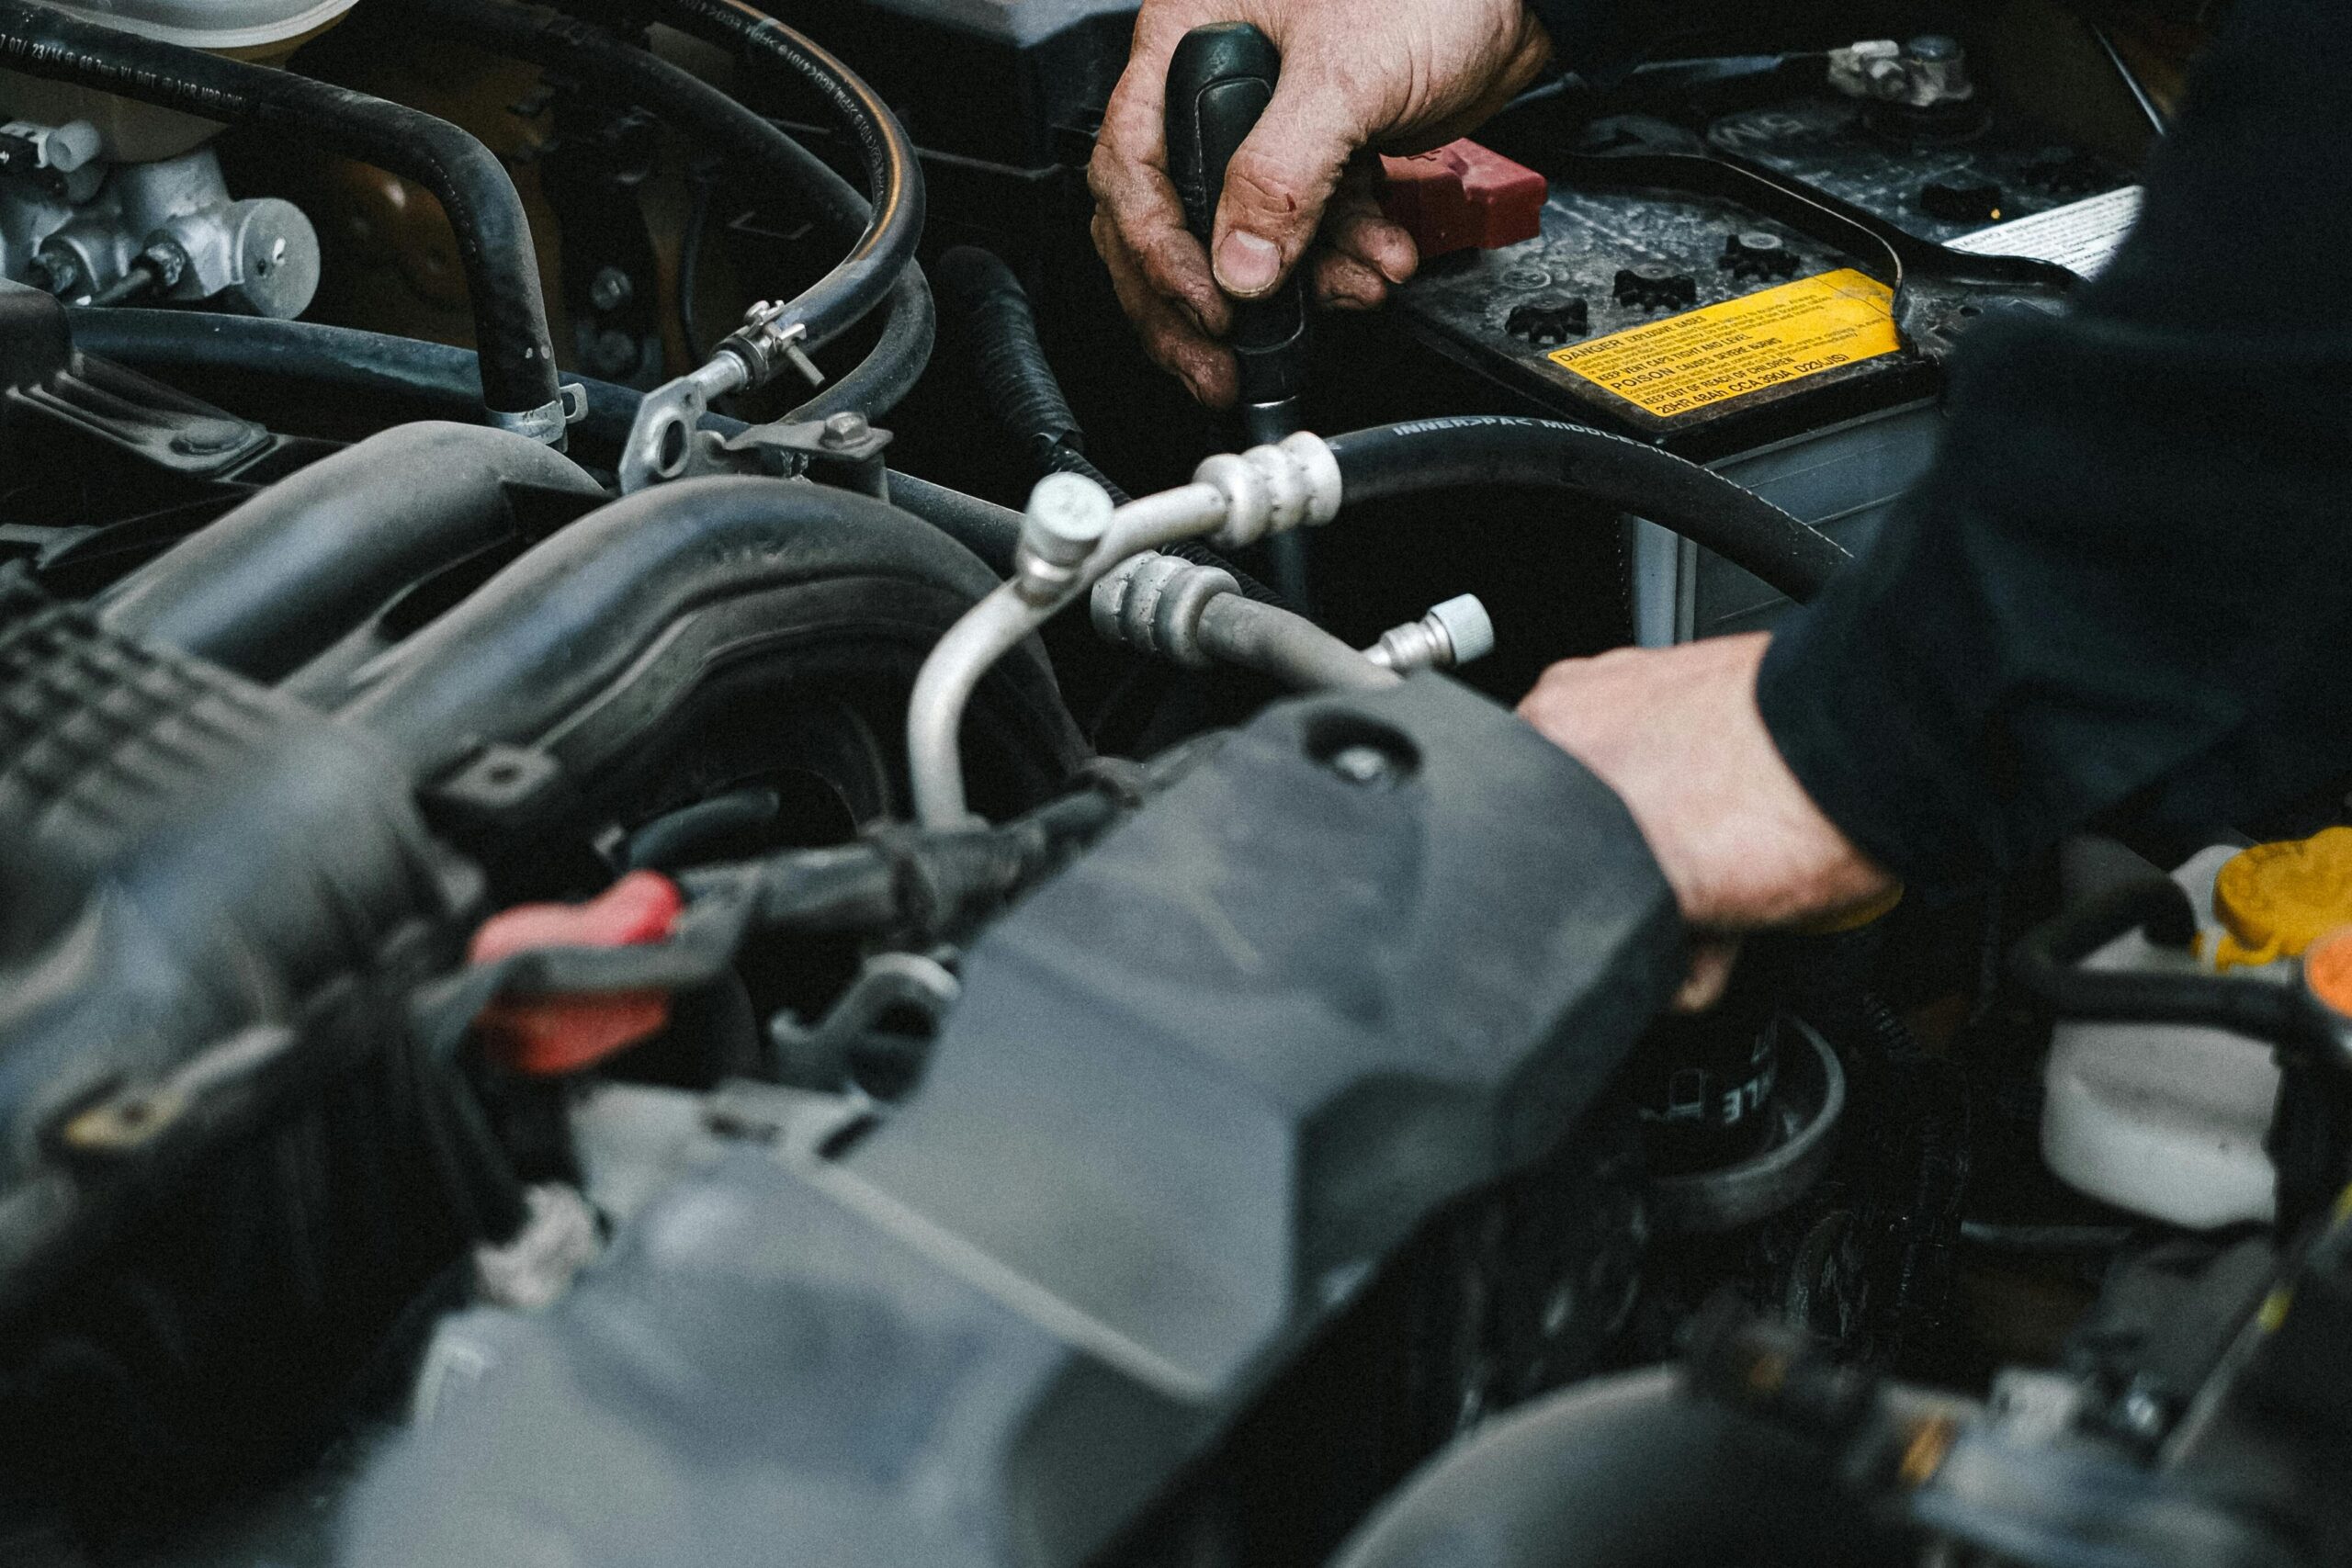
pixel 2275 900
pixel 1462 196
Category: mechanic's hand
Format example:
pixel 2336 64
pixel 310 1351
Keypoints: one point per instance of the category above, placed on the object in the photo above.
pixel 1405 75
pixel 1676 732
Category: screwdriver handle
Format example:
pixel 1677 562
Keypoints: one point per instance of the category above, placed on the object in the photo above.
pixel 1219 81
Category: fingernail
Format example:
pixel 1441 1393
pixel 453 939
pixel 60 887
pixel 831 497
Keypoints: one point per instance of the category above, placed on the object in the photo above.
pixel 1246 263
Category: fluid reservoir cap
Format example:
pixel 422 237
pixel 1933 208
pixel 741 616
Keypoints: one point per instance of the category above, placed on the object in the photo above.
pixel 212 24
pixel 2275 900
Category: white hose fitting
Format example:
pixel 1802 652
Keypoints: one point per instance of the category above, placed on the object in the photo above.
pixel 1270 489
pixel 1153 605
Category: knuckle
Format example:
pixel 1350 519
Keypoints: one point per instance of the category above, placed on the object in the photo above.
pixel 1265 183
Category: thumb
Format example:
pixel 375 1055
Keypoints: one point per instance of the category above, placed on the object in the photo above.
pixel 1278 182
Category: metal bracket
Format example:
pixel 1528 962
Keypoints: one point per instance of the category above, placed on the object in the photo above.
pixel 819 1056
pixel 550 421
pixel 665 442
pixel 844 450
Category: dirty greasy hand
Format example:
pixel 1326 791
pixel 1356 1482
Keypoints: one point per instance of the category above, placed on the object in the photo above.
pixel 1676 732
pixel 1398 75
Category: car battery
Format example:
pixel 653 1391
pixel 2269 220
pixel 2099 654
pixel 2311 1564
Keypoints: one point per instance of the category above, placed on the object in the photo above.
pixel 1770 290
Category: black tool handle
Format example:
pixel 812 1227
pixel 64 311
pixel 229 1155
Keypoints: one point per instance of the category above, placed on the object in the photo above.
pixel 1219 81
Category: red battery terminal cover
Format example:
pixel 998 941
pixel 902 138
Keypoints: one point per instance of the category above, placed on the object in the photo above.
pixel 1462 196
pixel 547 1036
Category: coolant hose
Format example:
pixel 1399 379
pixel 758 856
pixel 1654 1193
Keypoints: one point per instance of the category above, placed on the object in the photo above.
pixel 280 577
pixel 622 611
pixel 894 178
pixel 1791 557
pixel 882 249
pixel 2048 965
pixel 1627 1470
pixel 895 362
pixel 518 362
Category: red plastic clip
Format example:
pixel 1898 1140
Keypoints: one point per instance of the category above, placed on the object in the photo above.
pixel 1460 196
pixel 547 1036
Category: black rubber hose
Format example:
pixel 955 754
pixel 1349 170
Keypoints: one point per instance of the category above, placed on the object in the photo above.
pixel 277 579
pixel 1791 557
pixel 775 160
pixel 517 363
pixel 2047 962
pixel 894 178
pixel 988 531
pixel 426 381
pixel 1622 1471
pixel 615 618
pixel 247 359
pixel 895 362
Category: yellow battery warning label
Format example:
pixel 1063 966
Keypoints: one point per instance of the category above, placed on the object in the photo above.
pixel 1743 346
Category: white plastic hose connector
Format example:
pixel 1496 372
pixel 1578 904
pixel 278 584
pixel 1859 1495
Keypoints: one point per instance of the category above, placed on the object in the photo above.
pixel 1268 490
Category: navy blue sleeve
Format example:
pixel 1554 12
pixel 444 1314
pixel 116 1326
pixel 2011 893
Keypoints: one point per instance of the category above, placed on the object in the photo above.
pixel 2126 582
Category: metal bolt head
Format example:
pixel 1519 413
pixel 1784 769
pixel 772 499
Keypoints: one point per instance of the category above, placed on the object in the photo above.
pixel 610 289
pixel 59 268
pixel 845 429
pixel 2143 1415
pixel 1366 765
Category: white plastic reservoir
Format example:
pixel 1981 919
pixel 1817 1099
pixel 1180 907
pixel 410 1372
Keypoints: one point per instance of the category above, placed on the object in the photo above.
pixel 2163 1120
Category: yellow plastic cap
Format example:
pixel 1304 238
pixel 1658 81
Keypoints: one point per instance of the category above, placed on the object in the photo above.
pixel 2275 900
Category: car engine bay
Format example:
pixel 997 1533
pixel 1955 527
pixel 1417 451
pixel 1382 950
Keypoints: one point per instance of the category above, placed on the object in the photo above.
pixel 687 874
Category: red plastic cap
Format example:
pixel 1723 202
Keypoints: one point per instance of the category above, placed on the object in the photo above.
pixel 1463 196
pixel 546 1036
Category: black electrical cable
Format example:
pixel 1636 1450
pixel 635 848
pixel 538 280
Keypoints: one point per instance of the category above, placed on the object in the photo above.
pixel 886 233
pixel 1791 557
pixel 517 363
pixel 894 178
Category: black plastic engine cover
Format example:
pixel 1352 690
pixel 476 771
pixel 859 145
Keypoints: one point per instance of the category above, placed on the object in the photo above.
pixel 204 887
pixel 1378 952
